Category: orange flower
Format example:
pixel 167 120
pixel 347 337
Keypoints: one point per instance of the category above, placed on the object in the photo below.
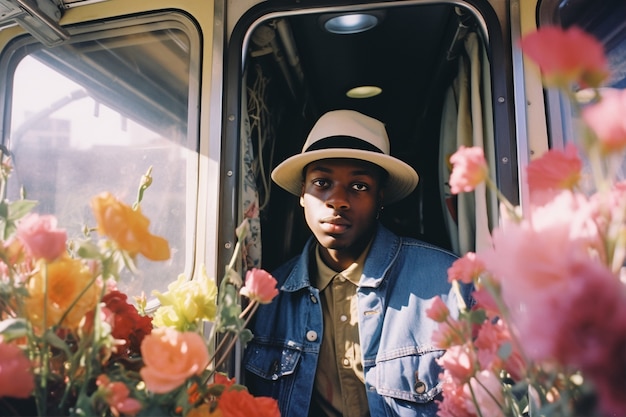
pixel 170 357
pixel 260 286
pixel 117 396
pixel 204 410
pixel 67 279
pixel 240 403
pixel 128 228
pixel 566 55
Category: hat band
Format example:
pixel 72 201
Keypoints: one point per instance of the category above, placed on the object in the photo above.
pixel 337 142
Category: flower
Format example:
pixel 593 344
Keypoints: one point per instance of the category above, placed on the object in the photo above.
pixel 59 300
pixel 260 286
pixel 606 120
pixel 128 228
pixel 566 56
pixel 547 334
pixel 116 395
pixel 126 322
pixel 72 344
pixel 187 302
pixel 553 172
pixel 171 357
pixel 470 169
pixel 16 373
pixel 40 236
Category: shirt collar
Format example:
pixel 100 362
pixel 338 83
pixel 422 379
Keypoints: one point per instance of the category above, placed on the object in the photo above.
pixel 352 273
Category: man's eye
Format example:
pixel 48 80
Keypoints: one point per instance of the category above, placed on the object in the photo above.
pixel 360 187
pixel 320 182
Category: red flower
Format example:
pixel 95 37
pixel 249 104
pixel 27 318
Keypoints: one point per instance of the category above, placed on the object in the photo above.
pixel 566 55
pixel 240 403
pixel 127 323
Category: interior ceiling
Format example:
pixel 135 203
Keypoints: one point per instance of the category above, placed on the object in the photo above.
pixel 405 55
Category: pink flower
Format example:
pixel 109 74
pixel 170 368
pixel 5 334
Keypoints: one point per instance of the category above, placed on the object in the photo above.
pixel 116 395
pixel 450 333
pixel 566 55
pixel 466 269
pixel 555 170
pixel 491 341
pixel 170 357
pixel 487 392
pixel 460 361
pixel 438 311
pixel 455 399
pixel 16 373
pixel 40 236
pixel 469 169
pixel 260 286
pixel 606 119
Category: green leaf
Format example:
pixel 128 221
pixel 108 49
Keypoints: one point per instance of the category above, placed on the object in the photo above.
pixel 18 209
pixel 87 249
pixel 13 328
pixel 57 342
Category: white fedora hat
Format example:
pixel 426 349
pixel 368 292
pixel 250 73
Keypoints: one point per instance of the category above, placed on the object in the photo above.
pixel 348 134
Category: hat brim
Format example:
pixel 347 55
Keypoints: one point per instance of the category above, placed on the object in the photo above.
pixel 401 182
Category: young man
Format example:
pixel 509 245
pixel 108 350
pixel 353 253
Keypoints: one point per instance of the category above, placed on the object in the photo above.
pixel 348 334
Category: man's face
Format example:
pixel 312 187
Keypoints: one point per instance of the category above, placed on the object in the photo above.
pixel 341 198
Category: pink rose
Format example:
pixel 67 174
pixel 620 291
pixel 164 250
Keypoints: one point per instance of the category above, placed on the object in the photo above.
pixel 260 286
pixel 16 374
pixel 469 169
pixel 566 55
pixel 487 392
pixel 606 119
pixel 466 269
pixel 438 311
pixel 555 170
pixel 170 357
pixel 460 361
pixel 40 236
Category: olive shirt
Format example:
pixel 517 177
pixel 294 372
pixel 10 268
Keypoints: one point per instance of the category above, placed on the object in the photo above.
pixel 339 389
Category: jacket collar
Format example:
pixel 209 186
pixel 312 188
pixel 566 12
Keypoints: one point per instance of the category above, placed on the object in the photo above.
pixel 384 250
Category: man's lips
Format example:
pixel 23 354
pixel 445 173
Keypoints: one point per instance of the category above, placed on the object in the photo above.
pixel 334 224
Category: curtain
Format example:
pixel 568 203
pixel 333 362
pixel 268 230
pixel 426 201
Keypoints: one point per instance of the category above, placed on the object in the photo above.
pixel 467 120
pixel 249 197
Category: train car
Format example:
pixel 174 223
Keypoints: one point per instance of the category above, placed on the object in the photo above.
pixel 212 94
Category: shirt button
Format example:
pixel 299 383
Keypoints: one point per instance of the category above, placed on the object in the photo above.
pixel 311 335
pixel 343 317
pixel 313 299
pixel 345 362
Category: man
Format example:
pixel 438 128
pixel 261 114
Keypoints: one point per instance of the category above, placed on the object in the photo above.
pixel 348 334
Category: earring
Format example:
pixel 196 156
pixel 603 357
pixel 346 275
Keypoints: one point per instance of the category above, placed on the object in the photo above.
pixel 379 211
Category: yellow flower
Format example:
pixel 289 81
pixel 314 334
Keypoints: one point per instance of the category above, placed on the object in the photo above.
pixel 186 302
pixel 128 228
pixel 66 280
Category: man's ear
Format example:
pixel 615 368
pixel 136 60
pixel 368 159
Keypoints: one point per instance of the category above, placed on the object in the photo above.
pixel 302 196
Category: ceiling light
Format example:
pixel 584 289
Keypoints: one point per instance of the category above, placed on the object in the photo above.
pixel 364 91
pixel 344 24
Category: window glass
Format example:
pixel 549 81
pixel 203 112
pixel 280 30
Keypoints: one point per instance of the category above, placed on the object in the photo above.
pixel 94 116
pixel 607 22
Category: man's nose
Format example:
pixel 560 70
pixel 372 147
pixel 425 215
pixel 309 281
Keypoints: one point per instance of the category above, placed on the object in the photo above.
pixel 338 198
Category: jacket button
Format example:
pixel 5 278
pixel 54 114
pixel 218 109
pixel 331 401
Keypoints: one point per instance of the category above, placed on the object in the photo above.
pixel 311 335
pixel 313 299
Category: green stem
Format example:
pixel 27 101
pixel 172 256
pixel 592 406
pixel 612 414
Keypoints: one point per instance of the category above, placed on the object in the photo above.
pixel 42 400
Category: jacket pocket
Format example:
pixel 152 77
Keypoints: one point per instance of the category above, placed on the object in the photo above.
pixel 409 375
pixel 271 362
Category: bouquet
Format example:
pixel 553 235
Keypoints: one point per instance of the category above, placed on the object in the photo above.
pixel 72 344
pixel 547 333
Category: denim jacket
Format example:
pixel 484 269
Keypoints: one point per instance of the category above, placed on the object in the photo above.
pixel 400 278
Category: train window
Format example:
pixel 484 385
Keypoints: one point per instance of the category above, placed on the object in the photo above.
pixel 95 114
pixel 607 22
